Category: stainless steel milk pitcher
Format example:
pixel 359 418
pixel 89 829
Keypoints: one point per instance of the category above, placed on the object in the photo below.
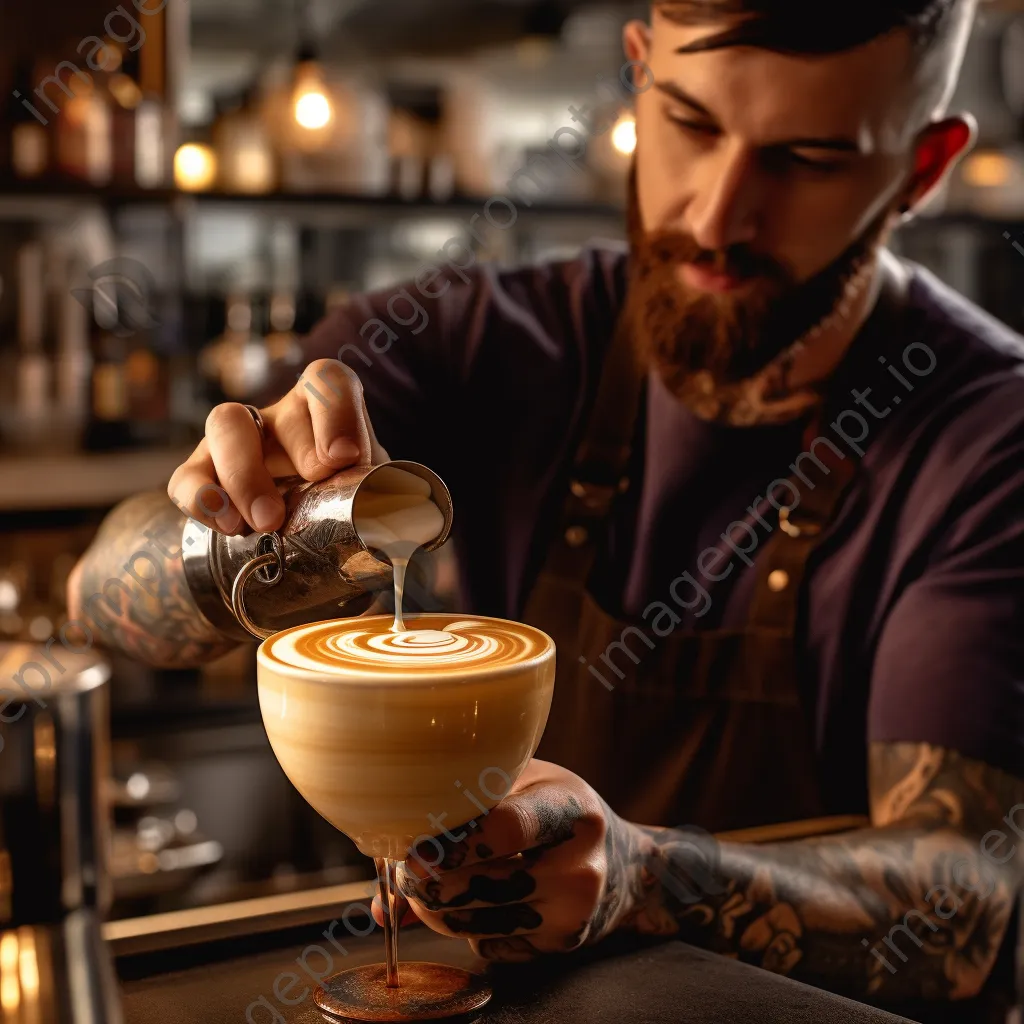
pixel 315 567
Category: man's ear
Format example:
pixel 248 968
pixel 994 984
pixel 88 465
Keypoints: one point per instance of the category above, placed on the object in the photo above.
pixel 636 40
pixel 940 146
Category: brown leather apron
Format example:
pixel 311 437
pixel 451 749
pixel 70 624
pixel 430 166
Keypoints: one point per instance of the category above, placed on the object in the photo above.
pixel 706 728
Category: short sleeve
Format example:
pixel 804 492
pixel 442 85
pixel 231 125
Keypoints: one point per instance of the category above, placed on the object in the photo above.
pixel 399 342
pixel 452 362
pixel 949 666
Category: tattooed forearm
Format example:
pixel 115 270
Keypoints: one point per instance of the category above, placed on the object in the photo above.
pixel 129 588
pixel 915 906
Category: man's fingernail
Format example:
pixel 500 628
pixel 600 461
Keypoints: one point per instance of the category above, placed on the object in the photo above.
pixel 266 513
pixel 343 450
pixel 229 522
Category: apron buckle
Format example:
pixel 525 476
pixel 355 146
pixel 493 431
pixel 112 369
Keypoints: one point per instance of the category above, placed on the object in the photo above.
pixel 593 496
pixel 791 529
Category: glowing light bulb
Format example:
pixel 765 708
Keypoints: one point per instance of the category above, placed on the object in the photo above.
pixel 195 167
pixel 624 135
pixel 313 110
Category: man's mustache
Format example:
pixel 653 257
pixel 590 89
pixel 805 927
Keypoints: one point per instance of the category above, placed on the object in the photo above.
pixel 674 247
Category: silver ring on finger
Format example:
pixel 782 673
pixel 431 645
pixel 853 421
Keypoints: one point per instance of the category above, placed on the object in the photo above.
pixel 257 418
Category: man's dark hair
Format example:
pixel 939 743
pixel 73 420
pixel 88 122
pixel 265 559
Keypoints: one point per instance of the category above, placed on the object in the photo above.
pixel 808 27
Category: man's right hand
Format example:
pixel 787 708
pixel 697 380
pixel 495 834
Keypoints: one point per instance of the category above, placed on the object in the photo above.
pixel 320 427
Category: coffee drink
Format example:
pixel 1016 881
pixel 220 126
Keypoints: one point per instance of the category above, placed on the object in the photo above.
pixel 397 732
pixel 396 736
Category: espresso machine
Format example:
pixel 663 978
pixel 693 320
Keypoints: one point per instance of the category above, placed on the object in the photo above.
pixel 54 836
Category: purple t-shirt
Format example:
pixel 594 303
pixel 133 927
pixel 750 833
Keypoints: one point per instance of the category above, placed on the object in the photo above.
pixel 914 622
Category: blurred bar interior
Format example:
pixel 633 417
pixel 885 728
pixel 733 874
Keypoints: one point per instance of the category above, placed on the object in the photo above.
pixel 219 173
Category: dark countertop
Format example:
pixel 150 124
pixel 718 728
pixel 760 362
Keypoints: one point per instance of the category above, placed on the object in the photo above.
pixel 645 983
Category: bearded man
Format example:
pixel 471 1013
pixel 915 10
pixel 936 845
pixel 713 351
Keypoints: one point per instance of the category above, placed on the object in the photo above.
pixel 762 481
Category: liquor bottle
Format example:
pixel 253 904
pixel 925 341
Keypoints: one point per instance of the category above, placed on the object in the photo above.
pixel 108 426
pixel 245 157
pixel 255 358
pixel 84 148
pixel 282 341
pixel 27 144
pixel 155 120
pixel 126 98
pixel 237 361
pixel 148 385
pixel 150 143
pixel 72 358
pixel 309 310
pixel 34 370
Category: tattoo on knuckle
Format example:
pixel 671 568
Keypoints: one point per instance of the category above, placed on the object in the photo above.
pixel 556 822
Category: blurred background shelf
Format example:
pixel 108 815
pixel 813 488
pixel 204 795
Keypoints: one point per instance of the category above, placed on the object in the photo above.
pixel 25 200
pixel 12 192
pixel 83 481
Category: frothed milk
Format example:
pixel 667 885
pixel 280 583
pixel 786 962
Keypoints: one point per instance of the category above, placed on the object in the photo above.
pixel 394 513
pixel 384 732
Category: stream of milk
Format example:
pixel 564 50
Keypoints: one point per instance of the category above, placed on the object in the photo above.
pixel 395 513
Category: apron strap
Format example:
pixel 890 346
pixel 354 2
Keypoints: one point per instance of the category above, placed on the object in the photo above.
pixel 821 478
pixel 812 498
pixel 603 455
pixel 605 450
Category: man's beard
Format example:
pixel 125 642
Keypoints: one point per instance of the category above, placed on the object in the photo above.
pixel 712 343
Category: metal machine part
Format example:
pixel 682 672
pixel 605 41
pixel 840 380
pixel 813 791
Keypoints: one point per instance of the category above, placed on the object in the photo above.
pixel 54 836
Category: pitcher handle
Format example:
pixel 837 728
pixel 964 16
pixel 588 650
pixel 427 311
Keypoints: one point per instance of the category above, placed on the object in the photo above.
pixel 269 557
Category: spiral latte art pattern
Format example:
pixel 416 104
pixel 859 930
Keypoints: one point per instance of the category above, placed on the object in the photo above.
pixel 378 729
pixel 362 647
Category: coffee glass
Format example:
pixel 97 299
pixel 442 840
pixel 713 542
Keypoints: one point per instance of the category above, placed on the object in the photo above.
pixel 394 737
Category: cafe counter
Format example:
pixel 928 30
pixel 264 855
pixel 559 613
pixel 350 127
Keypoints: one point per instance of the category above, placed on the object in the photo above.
pixel 244 962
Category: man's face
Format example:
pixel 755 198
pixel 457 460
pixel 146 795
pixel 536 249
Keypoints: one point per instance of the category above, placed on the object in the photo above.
pixel 761 182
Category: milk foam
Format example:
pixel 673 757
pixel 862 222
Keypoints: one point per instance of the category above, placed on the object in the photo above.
pixel 366 647
pixel 384 732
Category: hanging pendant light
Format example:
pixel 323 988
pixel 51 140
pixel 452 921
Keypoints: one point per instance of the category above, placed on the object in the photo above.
pixel 312 107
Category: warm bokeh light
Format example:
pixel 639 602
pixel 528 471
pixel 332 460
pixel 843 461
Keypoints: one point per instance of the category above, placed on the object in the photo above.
pixel 987 170
pixel 195 167
pixel 624 135
pixel 313 110
pixel 125 90
pixel 10 985
pixel 28 964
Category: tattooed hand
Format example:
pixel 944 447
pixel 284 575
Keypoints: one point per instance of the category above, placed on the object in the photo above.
pixel 545 871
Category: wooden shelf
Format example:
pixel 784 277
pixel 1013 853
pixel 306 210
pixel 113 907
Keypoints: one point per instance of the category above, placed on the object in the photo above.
pixel 40 196
pixel 45 482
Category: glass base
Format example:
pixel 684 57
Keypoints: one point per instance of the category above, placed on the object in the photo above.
pixel 425 992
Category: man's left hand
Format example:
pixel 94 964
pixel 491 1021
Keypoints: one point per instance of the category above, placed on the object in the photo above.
pixel 544 871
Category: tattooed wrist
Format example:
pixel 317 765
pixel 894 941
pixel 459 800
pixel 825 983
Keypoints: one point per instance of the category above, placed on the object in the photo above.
pixel 914 907
pixel 618 895
pixel 129 588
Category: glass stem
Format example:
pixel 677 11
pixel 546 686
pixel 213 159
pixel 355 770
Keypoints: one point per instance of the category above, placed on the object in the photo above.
pixel 392 905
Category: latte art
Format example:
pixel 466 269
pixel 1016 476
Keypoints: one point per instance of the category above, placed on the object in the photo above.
pixel 382 731
pixel 466 645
